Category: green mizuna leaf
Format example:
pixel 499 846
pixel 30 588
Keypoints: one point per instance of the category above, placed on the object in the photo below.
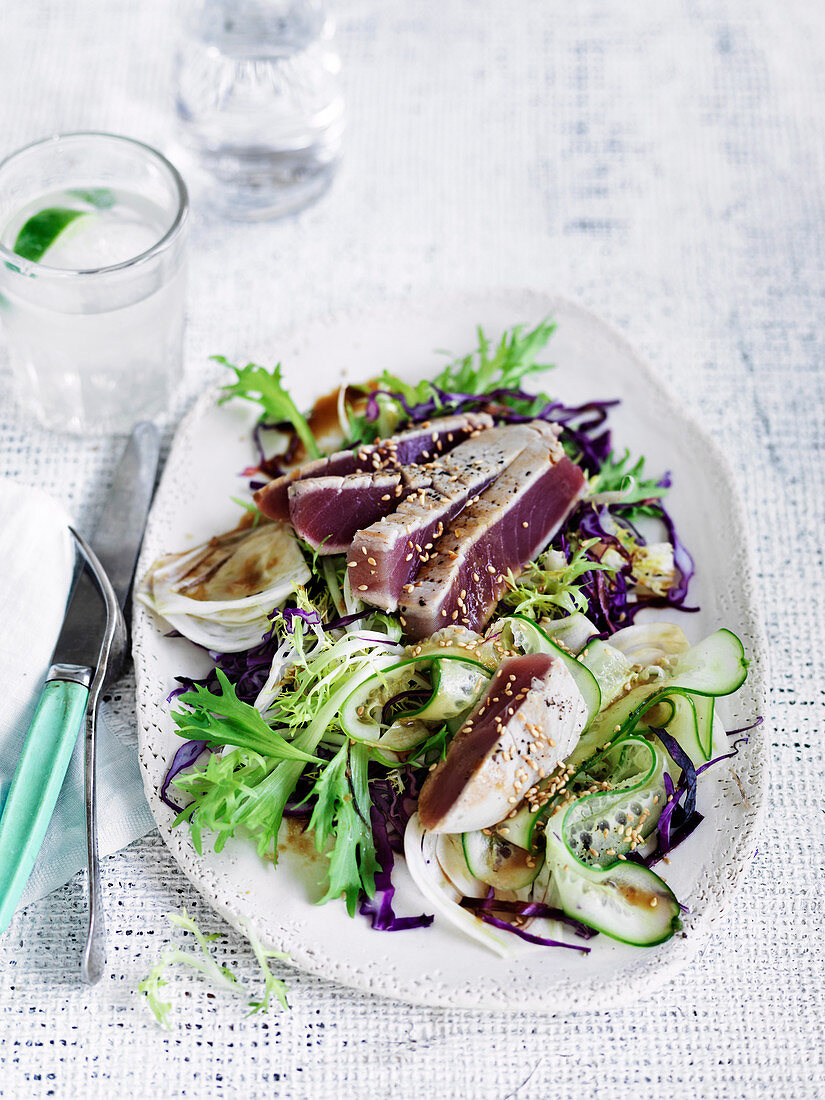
pixel 221 720
pixel 550 586
pixel 635 494
pixel 341 814
pixel 266 388
pixel 503 366
pixel 205 963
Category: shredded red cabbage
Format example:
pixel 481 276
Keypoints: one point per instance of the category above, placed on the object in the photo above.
pixel 578 422
pixel 289 615
pixel 528 909
pixel 609 604
pixel 505 926
pixel 184 758
pixel 348 620
pixel 413 696
pixel 745 729
pixel 689 774
pixel 677 822
pixel 379 908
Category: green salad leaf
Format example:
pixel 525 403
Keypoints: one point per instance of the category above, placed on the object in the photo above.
pixel 502 366
pixel 620 474
pixel 266 388
pixel 223 719
pixel 205 963
pixel 550 586
pixel 342 814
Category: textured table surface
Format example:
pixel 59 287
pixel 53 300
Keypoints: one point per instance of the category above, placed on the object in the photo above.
pixel 663 162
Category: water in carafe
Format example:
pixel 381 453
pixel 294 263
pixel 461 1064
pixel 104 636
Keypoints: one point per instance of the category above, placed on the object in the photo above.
pixel 259 103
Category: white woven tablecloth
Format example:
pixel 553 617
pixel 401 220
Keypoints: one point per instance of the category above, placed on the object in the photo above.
pixel 662 160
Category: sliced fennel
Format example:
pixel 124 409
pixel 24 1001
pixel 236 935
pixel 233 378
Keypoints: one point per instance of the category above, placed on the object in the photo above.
pixel 420 852
pixel 222 594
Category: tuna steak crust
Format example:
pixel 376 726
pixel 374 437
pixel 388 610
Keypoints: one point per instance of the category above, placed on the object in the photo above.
pixel 529 720
pixel 386 556
pixel 502 530
pixel 418 444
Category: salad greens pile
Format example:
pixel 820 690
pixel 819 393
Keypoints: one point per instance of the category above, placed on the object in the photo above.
pixel 331 720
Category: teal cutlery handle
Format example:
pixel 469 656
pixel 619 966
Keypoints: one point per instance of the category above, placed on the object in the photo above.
pixel 36 785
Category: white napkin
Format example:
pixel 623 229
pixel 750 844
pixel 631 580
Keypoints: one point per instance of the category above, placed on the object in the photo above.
pixel 36 564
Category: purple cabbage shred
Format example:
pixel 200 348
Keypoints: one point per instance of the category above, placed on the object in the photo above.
pixel 505 926
pixel 184 758
pixel 379 908
pixel 678 821
pixel 527 909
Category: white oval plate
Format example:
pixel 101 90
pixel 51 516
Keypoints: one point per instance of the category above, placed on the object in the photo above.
pixel 436 966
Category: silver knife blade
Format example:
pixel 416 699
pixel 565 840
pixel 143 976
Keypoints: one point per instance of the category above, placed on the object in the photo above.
pixel 116 543
pixel 120 529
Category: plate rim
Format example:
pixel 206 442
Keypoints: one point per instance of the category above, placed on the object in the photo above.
pixel 616 989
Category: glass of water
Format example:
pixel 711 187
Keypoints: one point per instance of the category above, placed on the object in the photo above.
pixel 92 280
pixel 259 104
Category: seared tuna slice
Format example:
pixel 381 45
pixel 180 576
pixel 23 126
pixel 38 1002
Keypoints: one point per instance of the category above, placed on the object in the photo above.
pixel 529 720
pixel 328 511
pixel 502 530
pixel 385 557
pixel 418 444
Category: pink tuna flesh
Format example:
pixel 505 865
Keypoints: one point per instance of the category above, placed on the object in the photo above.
pixel 328 511
pixel 418 444
pixel 386 556
pixel 501 531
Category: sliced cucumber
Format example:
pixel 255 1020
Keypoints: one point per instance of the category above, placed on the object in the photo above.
pixel 360 715
pixel 530 638
pixel 714 667
pixel 687 717
pixel 496 861
pixel 610 667
pixel 627 901
pixel 601 826
pixel 521 826
pixel 457 684
pixel 573 631
pixel 593 880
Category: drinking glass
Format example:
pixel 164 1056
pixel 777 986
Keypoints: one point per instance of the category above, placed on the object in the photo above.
pixel 92 280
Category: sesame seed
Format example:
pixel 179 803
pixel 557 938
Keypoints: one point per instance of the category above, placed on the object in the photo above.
pixel 363 587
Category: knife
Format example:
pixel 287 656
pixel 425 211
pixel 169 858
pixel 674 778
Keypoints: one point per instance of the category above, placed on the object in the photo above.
pixel 117 541
pixel 92 629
